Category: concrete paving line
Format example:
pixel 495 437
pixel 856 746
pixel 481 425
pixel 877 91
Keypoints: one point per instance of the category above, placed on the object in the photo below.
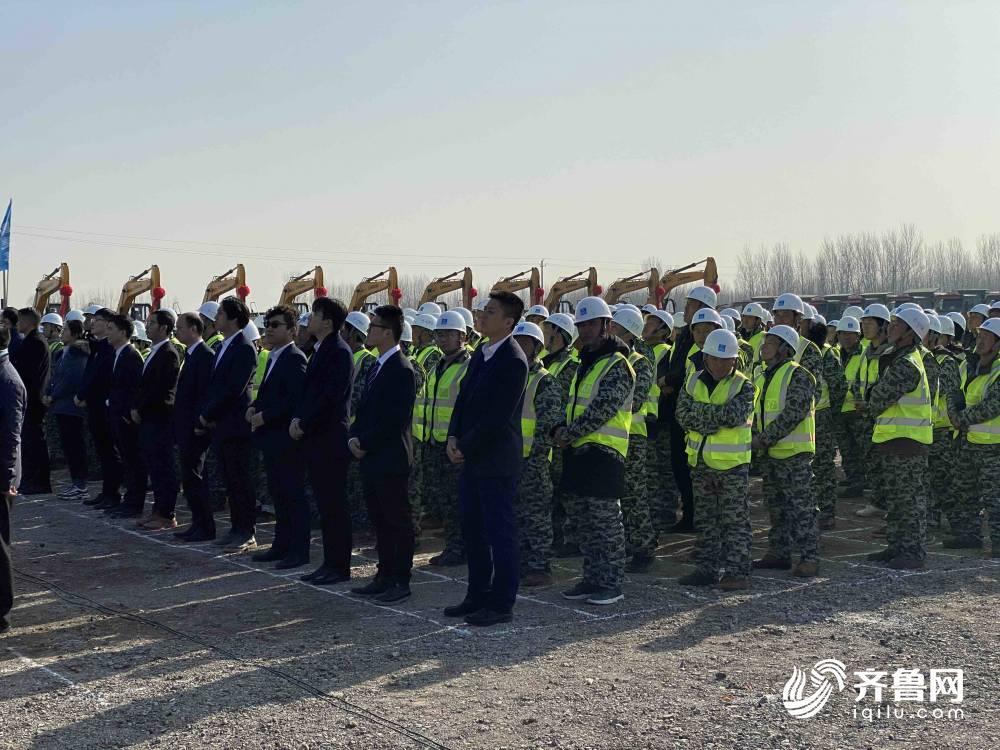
pixel 60 677
pixel 558 623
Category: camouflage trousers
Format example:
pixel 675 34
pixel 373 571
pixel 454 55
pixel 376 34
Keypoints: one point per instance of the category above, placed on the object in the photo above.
pixel 563 525
pixel 440 491
pixel 790 503
pixel 534 516
pixel 57 459
pixel 940 472
pixel 640 536
pixel 861 427
pixel 851 460
pixel 602 538
pixel 662 489
pixel 902 483
pixel 414 487
pixel 722 515
pixel 824 469
pixel 976 486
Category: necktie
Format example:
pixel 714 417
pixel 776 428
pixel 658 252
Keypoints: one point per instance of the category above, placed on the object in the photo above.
pixel 267 367
pixel 370 377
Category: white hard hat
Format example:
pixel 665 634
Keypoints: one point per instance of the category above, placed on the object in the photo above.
pixel 789 301
pixel 707 315
pixel 730 312
pixel 917 320
pixel 630 320
pixel 957 319
pixel 768 317
pixel 409 311
pixel 935 323
pixel 995 305
pixel 649 308
pixel 424 320
pixel 992 325
pixel 667 318
pixel 832 323
pixel 531 330
pixel 479 305
pixel 613 308
pixel 877 310
pixel 728 323
pixel 853 311
pixel 591 308
pixel 947 325
pixel 139 332
pixel 910 306
pixel 928 311
pixel 409 318
pixel 628 306
pixel 848 324
pixel 679 321
pixel 75 315
pixel 755 310
pixel 808 311
pixel 407 334
pixel 819 319
pixel 91 309
pixel 786 334
pixel 450 321
pixel 258 320
pixel 539 310
pixel 981 309
pixel 53 318
pixel 431 308
pixel 251 333
pixel 304 319
pixel 359 321
pixel 466 315
pixel 705 295
pixel 722 344
pixel 563 322
pixel 209 310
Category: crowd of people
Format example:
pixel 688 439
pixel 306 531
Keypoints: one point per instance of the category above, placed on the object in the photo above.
pixel 523 435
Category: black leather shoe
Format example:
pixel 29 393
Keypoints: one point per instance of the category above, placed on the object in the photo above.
pixel 447 559
pixel 201 535
pixel 486 617
pixel 190 530
pixel 467 607
pixel 330 578
pixel 321 571
pixel 270 556
pixel 375 587
pixel 286 563
pixel 395 593
pixel 107 503
pixel 96 500
pixel 125 511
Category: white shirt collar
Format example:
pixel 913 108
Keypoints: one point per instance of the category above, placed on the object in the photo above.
pixel 195 345
pixel 490 349
pixel 275 353
pixel 120 349
pixel 156 347
pixel 382 358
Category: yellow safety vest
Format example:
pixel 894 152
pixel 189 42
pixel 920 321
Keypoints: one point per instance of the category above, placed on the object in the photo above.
pixel 688 364
pixel 55 346
pixel 425 352
pixel 988 432
pixel 435 405
pixel 258 374
pixel 638 424
pixel 940 416
pixel 729 447
pixel 756 341
pixel 772 402
pixel 529 418
pixel 558 367
pixel 614 432
pixel 852 371
pixel 215 339
pixel 910 417
pixel 653 402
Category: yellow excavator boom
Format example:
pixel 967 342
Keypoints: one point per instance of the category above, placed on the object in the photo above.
pixel 53 283
pixel 586 279
pixel 309 281
pixel 680 276
pixel 234 278
pixel 147 281
pixel 648 280
pixel 529 280
pixel 384 281
pixel 451 283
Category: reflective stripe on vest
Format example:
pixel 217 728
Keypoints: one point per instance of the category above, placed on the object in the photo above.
pixel 852 374
pixel 439 400
pixel 614 432
pixel 910 417
pixel 424 353
pixel 984 433
pixel 756 341
pixel 529 418
pixel 770 404
pixel 638 424
pixel 558 367
pixel 869 375
pixel 940 413
pixel 729 447
pixel 688 364
pixel 653 402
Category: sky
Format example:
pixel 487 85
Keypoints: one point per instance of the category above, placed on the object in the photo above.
pixel 434 135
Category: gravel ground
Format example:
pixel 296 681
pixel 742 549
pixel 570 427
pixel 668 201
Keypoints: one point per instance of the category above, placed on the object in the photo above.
pixel 125 639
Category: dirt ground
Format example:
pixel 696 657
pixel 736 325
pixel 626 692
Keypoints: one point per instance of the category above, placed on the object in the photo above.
pixel 126 639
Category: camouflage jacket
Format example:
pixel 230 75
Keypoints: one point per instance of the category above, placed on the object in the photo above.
pixel 359 381
pixel 833 376
pixel 644 375
pixel 987 409
pixel 550 412
pixel 950 380
pixel 898 377
pixel 432 359
pixel 798 402
pixel 565 377
pixel 615 391
pixel 931 368
pixel 419 375
pixel 706 419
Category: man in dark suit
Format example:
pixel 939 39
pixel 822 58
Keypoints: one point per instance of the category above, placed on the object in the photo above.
pixel 485 438
pixel 320 425
pixel 126 371
pixel 223 413
pixel 93 395
pixel 269 418
pixel 13 402
pixel 381 441
pixel 153 411
pixel 192 442
pixel 31 360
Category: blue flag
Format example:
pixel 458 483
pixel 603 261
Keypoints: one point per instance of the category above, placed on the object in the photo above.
pixel 5 239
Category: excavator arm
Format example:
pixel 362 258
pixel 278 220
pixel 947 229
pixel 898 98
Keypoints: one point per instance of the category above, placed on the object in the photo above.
pixel 308 281
pixel 147 281
pixel 680 276
pixel 234 278
pixel 383 281
pixel 451 283
pixel 569 284
pixel 649 280
pixel 525 280
pixel 57 281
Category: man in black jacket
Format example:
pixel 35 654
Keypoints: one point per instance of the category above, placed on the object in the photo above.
pixel 320 425
pixel 269 417
pixel 192 442
pixel 126 370
pixel 31 360
pixel 12 407
pixel 485 438
pixel 223 414
pixel 153 411
pixel 381 441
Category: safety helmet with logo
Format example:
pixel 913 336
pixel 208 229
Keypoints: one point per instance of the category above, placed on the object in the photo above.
pixel 981 309
pixel 359 321
pixel 787 334
pixel 592 308
pixel 877 310
pixel 466 315
pixel 947 325
pixel 431 308
pixel 789 301
pixel 853 311
pixel 425 321
pixel 667 318
pixel 991 326
pixel 407 334
pixel 630 320
pixel 958 320
pixel 209 310
pixel 917 320
pixel 53 319
pixel 754 310
pixel 849 324
pixel 450 321
pixel 707 315
pixel 76 315
pixel 722 344
pixel 531 330
pixel 705 295
pixel 539 310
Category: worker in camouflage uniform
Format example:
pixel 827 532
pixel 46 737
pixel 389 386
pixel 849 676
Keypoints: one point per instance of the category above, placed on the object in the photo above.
pixel 354 332
pixel 716 410
pixel 850 358
pixel 595 436
pixel 660 485
pixel 561 361
pixel 785 424
pixel 424 355
pixel 875 327
pixel 943 451
pixel 900 404
pixel 640 536
pixel 975 413
pixel 543 411
pixel 831 388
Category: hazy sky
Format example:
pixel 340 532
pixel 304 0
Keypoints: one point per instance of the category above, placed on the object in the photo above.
pixel 434 135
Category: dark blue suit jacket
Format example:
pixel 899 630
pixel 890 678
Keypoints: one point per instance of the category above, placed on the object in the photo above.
pixel 125 376
pixel 13 402
pixel 277 397
pixel 487 416
pixel 96 384
pixel 326 397
pixel 158 385
pixel 228 396
pixel 384 420
pixel 192 386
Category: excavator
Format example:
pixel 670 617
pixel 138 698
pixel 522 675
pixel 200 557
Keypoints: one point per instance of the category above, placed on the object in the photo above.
pixel 234 278
pixel 451 283
pixel 383 281
pixel 147 281
pixel 680 276
pixel 308 281
pixel 586 279
pixel 649 280
pixel 525 280
pixel 57 281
